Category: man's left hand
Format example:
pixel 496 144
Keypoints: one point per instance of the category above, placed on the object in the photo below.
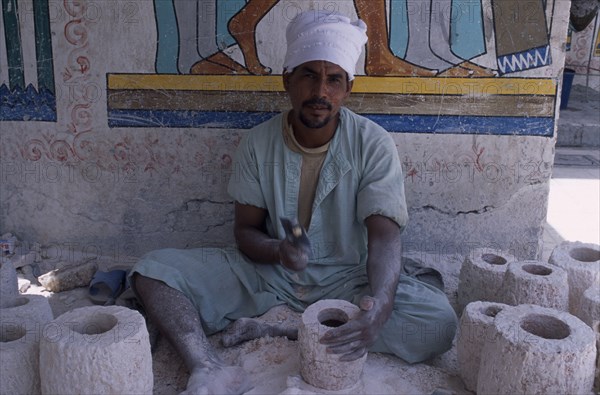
pixel 354 338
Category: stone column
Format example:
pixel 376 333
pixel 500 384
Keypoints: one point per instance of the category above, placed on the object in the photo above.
pixel 319 368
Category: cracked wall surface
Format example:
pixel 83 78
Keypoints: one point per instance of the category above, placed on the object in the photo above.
pixel 457 200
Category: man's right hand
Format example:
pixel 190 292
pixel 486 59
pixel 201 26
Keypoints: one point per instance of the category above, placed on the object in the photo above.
pixel 293 257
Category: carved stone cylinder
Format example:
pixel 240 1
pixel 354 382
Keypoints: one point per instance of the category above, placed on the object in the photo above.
pixel 537 350
pixel 9 288
pixel 22 321
pixel 319 368
pixel 535 282
pixel 589 308
pixel 476 318
pixel 596 328
pixel 481 276
pixel 19 361
pixel 96 350
pixel 582 263
pixel 31 312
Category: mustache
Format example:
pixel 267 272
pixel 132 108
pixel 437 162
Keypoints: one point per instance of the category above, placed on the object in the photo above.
pixel 318 101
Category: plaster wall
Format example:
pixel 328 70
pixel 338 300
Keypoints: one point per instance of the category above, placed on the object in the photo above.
pixel 77 183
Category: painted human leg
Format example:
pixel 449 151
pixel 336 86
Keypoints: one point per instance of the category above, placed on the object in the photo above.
pixel 379 58
pixel 198 51
pixel 242 26
pixel 444 14
pixel 419 24
pixel 192 43
pixel 179 322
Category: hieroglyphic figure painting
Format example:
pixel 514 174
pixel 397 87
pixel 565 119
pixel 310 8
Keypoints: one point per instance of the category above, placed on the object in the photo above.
pixel 430 66
pixel 26 93
pixel 521 46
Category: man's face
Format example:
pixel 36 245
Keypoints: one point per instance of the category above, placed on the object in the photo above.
pixel 317 90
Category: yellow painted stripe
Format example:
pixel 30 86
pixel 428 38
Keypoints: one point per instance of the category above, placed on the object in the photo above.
pixel 242 83
pixel 362 84
pixel 456 86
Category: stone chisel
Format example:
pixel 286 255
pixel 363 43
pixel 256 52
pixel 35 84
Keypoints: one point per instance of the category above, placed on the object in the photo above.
pixel 295 234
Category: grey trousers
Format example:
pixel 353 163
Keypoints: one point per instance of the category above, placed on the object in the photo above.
pixel 224 286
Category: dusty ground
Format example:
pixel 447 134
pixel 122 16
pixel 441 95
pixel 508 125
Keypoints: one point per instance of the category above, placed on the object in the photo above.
pixel 273 363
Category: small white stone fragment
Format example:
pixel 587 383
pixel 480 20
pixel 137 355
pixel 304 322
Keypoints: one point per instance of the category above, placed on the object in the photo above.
pixel 68 278
pixel 24 285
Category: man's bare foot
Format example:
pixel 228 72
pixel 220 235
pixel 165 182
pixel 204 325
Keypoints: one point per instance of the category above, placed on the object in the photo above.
pixel 245 329
pixel 218 380
pixel 242 27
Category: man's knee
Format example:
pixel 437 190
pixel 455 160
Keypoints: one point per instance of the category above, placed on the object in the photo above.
pixel 437 332
pixel 147 288
pixel 420 337
pixel 141 284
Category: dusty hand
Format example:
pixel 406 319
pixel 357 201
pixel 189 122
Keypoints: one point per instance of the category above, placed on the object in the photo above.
pixel 293 257
pixel 354 338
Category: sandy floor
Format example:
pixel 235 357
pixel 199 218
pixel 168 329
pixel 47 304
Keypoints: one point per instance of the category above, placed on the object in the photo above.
pixel 273 363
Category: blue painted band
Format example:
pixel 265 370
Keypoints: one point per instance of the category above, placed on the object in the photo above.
pixel 27 105
pixel 444 124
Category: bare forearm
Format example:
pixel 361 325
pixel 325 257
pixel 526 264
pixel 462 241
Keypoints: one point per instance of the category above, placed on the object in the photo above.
pixel 383 273
pixel 383 268
pixel 354 338
pixel 257 245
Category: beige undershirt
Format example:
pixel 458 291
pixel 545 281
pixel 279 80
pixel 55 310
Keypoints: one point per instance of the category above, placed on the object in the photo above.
pixel 312 161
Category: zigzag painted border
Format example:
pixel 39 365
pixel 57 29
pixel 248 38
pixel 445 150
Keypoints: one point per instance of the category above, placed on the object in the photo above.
pixel 530 59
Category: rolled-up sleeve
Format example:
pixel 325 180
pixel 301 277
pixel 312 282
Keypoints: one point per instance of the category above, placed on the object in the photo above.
pixel 381 187
pixel 244 182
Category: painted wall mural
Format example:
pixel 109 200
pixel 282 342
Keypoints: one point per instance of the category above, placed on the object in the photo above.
pixel 26 93
pixel 433 66
pixel 430 66
pixel 122 165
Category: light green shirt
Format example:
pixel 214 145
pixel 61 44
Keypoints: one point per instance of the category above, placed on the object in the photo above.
pixel 361 176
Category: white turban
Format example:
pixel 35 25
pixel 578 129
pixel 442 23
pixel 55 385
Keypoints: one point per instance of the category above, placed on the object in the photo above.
pixel 323 35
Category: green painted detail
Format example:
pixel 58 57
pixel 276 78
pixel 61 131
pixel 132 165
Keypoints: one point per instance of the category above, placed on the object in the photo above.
pixel 12 33
pixel 43 45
